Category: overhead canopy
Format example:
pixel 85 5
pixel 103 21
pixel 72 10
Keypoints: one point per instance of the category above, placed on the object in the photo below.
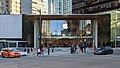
pixel 68 17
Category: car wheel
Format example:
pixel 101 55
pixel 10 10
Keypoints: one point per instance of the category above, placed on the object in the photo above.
pixel 111 52
pixel 8 56
pixel 94 53
pixel 2 56
pixel 18 56
pixel 103 53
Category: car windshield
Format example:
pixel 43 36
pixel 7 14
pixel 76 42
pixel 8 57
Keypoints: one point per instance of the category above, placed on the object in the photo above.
pixel 20 50
pixel 100 49
pixel 13 50
pixel 108 47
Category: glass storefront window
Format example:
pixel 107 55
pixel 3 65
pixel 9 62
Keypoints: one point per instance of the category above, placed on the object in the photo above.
pixel 64 32
pixel 115 27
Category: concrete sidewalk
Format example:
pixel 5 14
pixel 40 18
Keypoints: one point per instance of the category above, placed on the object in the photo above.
pixel 65 51
pixel 116 51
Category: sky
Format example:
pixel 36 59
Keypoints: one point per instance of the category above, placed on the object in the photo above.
pixel 56 25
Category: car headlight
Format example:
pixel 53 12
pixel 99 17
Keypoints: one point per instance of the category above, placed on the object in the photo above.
pixel 100 51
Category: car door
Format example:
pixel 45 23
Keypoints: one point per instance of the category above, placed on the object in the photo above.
pixel 5 52
pixel 108 49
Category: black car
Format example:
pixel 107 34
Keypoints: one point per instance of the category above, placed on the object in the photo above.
pixel 103 51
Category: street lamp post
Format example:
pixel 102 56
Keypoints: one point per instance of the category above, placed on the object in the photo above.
pixel 40 25
pixel 4 43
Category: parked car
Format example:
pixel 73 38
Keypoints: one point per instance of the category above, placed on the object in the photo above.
pixel 10 52
pixel 104 50
pixel 23 53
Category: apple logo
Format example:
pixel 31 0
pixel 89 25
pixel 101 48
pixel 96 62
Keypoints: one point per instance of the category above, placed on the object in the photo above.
pixel 65 26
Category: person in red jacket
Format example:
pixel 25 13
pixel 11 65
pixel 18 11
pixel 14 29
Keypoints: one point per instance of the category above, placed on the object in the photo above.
pixel 42 51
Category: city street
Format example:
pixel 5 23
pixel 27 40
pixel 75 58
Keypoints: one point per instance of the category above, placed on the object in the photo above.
pixel 64 60
pixel 59 34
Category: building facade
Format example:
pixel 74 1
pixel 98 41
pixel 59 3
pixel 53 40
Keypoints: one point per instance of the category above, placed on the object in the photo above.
pixel 10 6
pixel 60 6
pixel 115 27
pixel 101 7
pixel 50 6
pixel 26 7
pixel 67 6
pixel 94 6
pixel 33 7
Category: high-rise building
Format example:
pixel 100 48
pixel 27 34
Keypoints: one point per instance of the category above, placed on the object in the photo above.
pixel 25 7
pixel 94 6
pixel 67 6
pixel 1 6
pixel 10 6
pixel 50 6
pixel 60 6
pixel 32 6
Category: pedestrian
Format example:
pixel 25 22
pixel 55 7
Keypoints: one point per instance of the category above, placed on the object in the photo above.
pixel 28 51
pixel 31 51
pixel 52 48
pixel 48 49
pixel 81 46
pixel 41 51
pixel 38 52
pixel 72 49
pixel 84 46
pixel 77 49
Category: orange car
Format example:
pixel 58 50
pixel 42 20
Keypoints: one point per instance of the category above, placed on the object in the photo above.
pixel 10 52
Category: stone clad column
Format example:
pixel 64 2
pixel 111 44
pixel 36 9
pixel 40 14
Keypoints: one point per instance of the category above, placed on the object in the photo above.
pixel 17 44
pixel 36 34
pixel 95 33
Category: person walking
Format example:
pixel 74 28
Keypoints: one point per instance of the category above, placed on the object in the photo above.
pixel 28 51
pixel 72 49
pixel 77 49
pixel 84 46
pixel 81 46
pixel 52 48
pixel 42 51
pixel 48 49
pixel 38 52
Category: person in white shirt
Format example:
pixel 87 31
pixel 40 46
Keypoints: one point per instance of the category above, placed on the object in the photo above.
pixel 38 52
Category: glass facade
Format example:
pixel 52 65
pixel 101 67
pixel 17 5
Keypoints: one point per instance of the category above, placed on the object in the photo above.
pixel 78 31
pixel 94 6
pixel 65 37
pixel 102 6
pixel 104 31
pixel 64 31
pixel 115 27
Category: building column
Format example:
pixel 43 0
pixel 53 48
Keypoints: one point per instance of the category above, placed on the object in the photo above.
pixel 95 34
pixel 8 44
pixel 17 44
pixel 36 34
pixel 38 26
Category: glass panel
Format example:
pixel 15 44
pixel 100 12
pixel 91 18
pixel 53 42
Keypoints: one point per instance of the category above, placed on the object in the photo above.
pixel 65 32
pixel 12 44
